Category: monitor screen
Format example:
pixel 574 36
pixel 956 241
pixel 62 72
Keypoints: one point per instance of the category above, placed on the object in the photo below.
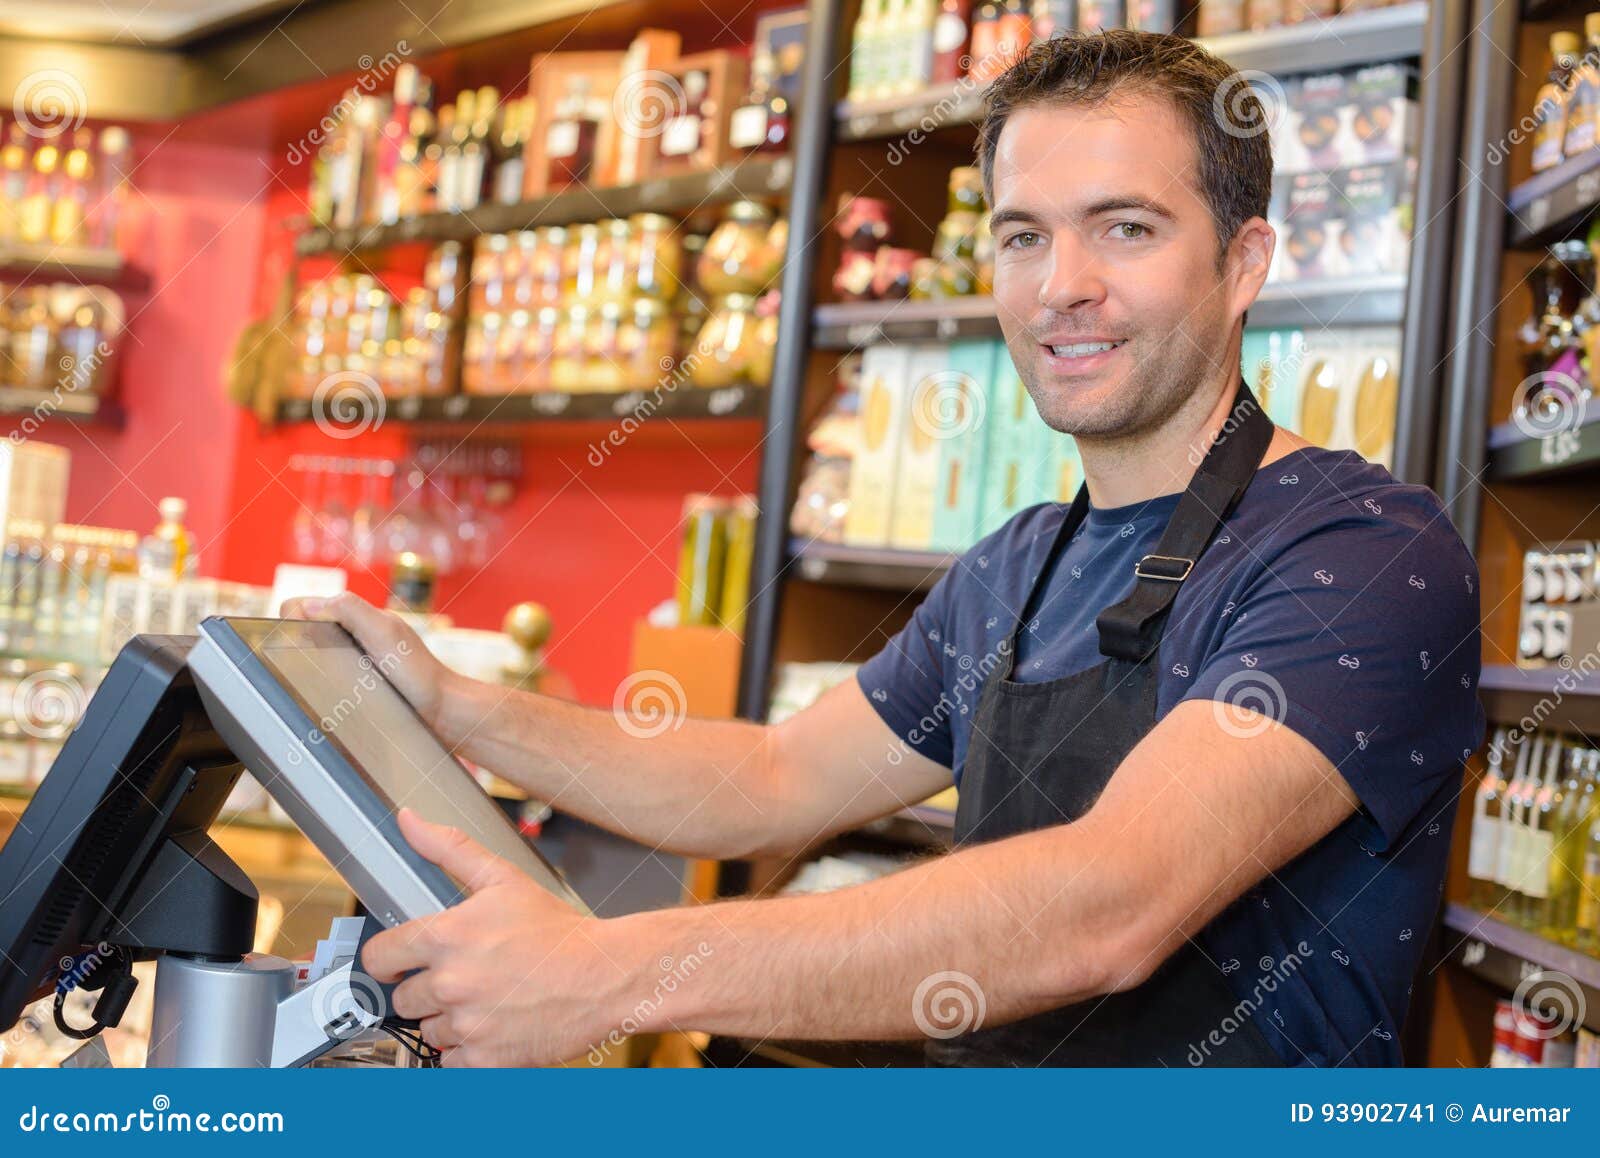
pixel 349 700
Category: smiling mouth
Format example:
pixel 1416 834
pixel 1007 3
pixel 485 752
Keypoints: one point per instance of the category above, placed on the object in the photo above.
pixel 1083 349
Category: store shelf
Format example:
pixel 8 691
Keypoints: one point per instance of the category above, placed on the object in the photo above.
pixel 1360 38
pixel 44 262
pixel 849 325
pixel 1517 457
pixel 1552 204
pixel 760 177
pixel 880 567
pixel 1372 301
pixel 685 403
pixel 63 405
pixel 1558 698
pixel 1507 956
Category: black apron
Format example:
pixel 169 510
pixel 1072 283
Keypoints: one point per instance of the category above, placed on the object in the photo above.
pixel 1021 775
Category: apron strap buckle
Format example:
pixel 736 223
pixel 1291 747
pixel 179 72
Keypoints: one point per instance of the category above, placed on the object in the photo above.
pixel 1167 568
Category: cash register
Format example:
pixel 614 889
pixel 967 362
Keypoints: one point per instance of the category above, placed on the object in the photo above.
pixel 111 863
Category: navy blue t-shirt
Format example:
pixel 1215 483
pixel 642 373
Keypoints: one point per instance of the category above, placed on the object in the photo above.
pixel 1345 596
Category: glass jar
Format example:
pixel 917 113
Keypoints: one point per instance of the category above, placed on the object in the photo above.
pixel 729 349
pixel 603 367
pixel 924 279
pixel 656 256
pixel 508 353
pixel 983 256
pixel 649 342
pixel 487 290
pixel 443 276
pixel 736 258
pixel 582 252
pixel 566 359
pixel 550 249
pixel 965 192
pixel 483 332
pixel 957 237
pixel 862 223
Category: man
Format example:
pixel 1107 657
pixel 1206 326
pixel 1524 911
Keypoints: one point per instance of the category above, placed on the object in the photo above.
pixel 1208 724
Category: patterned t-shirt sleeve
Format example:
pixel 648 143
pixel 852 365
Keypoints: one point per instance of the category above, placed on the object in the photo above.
pixel 1362 637
pixel 906 680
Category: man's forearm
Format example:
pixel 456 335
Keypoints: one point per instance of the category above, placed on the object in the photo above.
pixel 1019 926
pixel 699 787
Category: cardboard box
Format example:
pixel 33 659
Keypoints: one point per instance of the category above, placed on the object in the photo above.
pixel 702 663
pixel 1016 464
pixel 958 493
pixel 33 482
pixel 936 405
pixel 686 144
pixel 884 390
pixel 1352 222
pixel 1336 120
pixel 552 76
pixel 651 52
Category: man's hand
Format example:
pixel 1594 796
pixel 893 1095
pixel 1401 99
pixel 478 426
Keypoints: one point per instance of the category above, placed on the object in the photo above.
pixel 511 976
pixel 418 674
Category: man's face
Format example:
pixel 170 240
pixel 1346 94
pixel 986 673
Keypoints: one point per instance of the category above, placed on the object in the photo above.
pixel 1106 276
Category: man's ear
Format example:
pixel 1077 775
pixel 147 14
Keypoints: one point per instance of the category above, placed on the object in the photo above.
pixel 1249 261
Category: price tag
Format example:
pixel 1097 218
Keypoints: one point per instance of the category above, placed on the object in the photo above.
pixel 1588 187
pixel 1473 953
pixel 946 328
pixel 1527 969
pixel 724 400
pixel 1557 448
pixel 627 403
pixel 681 137
pixel 408 408
pixel 782 173
pixel 652 191
pixel 456 405
pixel 1538 212
pixel 860 126
pixel 905 118
pixel 747 128
pixel 551 403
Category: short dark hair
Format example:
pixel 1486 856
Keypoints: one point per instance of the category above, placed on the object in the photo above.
pixel 1224 112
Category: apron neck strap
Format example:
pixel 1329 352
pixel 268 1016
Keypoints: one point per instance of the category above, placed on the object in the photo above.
pixel 1132 629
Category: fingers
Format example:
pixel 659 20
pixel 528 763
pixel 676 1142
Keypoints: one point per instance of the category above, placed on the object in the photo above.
pixel 458 854
pixel 395 952
pixel 415 998
pixel 438 1032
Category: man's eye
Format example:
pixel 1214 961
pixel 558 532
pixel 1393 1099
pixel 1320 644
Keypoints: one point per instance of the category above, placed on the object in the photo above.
pixel 1023 240
pixel 1131 230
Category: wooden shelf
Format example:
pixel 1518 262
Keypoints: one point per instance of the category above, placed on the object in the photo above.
pixel 759 177
pixel 1516 457
pixel 685 403
pixel 62 406
pixel 1552 204
pixel 1316 46
pixel 880 567
pixel 1371 301
pixel 41 262
pixel 1506 956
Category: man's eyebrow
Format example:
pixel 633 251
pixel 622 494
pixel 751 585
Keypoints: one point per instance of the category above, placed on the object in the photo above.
pixel 1007 216
pixel 1120 204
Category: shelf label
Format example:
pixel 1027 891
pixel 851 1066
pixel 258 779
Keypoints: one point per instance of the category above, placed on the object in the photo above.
pixel 1527 969
pixel 782 173
pixel 1588 187
pixel 551 403
pixel 627 403
pixel 296 411
pixel 1557 448
pixel 456 405
pixel 654 190
pixel 408 408
pixel 1473 953
pixel 724 400
pixel 861 126
pixel 1538 212
pixel 905 118
pixel 946 328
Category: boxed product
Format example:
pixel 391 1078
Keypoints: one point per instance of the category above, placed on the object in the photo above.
pixel 958 494
pixel 1339 119
pixel 1348 223
pixel 33 482
pixel 884 390
pixel 1349 391
pixel 1063 467
pixel 1016 465
pixel 938 400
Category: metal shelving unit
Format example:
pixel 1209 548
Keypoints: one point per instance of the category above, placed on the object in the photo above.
pixel 884 567
pixel 1508 957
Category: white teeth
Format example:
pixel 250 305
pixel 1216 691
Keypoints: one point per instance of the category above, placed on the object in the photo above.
pixel 1082 349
